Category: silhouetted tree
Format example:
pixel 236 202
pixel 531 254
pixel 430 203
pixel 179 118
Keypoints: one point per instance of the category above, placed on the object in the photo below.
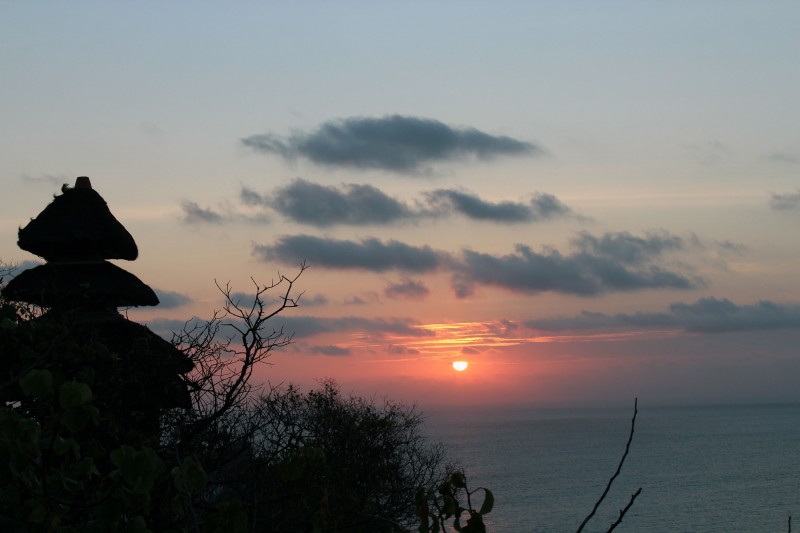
pixel 296 461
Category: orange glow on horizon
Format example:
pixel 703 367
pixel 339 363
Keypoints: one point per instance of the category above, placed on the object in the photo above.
pixel 443 341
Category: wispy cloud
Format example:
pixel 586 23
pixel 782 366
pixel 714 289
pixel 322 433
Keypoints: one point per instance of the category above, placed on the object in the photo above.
pixel 782 157
pixel 785 202
pixel 48 179
pixel 730 247
pixel 707 315
pixel 393 143
pixel 331 350
pixel 305 327
pixel 193 213
pixel 309 326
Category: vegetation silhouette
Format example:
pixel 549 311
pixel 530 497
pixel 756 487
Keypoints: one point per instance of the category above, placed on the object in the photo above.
pixel 248 459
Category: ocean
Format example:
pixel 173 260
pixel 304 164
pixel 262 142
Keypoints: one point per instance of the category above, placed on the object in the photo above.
pixel 701 469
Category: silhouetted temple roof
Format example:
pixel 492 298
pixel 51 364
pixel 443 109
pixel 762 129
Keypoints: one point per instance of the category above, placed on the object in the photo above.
pixel 77 225
pixel 79 284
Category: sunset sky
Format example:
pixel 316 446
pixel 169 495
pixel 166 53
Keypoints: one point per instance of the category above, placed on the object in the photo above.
pixel 588 201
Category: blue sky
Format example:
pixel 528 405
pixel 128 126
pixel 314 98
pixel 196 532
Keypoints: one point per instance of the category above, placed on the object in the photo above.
pixel 588 200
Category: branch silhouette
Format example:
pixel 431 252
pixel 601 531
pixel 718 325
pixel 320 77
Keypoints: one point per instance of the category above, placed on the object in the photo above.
pixel 611 480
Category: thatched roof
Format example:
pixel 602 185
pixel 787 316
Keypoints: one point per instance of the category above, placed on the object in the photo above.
pixel 77 225
pixel 91 284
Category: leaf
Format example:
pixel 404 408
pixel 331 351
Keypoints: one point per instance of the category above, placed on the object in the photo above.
pixel 37 383
pixel 75 419
pixel 488 502
pixel 192 474
pixel 62 446
pixel 474 524
pixel 450 506
pixel 74 394
pixel 139 469
pixel 458 479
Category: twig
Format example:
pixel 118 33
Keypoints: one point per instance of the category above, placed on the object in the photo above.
pixel 619 467
pixel 623 511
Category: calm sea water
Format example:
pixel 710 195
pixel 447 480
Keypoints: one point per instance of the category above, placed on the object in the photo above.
pixel 701 469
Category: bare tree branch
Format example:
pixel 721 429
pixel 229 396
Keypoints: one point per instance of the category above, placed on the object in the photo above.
pixel 226 349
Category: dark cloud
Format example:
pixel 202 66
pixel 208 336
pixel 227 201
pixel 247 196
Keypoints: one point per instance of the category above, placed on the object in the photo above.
pixel 331 350
pixel 785 202
pixel 353 204
pixel 541 207
pixel 358 205
pixel 707 315
pixel 407 289
pixel 368 254
pixel 395 143
pixel 610 263
pixel 626 248
pixel 613 262
pixel 171 299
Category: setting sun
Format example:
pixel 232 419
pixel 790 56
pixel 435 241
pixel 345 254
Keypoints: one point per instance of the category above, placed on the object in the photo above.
pixel 460 365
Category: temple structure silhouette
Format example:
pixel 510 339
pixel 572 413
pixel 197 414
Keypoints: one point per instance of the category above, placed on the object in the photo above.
pixel 77 235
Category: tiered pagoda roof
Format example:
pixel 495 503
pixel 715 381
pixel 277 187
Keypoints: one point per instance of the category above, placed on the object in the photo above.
pixel 76 235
